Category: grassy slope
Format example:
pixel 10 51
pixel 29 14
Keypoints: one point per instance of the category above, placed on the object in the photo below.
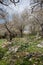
pixel 27 44
pixel 30 42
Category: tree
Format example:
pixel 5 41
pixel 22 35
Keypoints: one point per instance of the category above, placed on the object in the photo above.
pixel 3 15
pixel 37 16
pixel 40 18
pixel 21 22
pixel 8 27
pixel 10 33
pixel 36 3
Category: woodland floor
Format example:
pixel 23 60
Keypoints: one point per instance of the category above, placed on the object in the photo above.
pixel 21 51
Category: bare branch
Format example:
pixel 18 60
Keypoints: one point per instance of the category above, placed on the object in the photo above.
pixel 36 4
pixel 1 1
pixel 13 1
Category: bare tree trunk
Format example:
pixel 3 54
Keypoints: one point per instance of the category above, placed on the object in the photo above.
pixel 42 30
pixel 10 34
pixel 21 31
pixel 10 38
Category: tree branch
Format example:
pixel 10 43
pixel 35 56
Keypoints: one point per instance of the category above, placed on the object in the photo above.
pixel 13 1
pixel 1 1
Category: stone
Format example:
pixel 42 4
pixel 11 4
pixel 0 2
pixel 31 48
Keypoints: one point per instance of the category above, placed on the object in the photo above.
pixel 39 45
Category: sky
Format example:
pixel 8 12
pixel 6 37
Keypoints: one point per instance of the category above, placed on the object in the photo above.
pixel 20 6
pixel 11 9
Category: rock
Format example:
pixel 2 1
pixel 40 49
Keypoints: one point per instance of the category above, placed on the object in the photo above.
pixel 9 42
pixel 14 49
pixel 6 44
pixel 37 37
pixel 30 59
pixel 39 45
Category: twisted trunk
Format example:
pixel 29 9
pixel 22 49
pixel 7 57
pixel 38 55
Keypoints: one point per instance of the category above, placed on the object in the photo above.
pixel 10 37
pixel 42 30
pixel 21 31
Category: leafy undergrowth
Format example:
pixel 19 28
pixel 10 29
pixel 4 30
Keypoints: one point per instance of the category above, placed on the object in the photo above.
pixel 21 51
pixel 2 41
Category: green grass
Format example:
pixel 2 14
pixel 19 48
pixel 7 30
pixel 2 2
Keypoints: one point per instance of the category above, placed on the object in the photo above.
pixel 2 41
pixel 27 44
